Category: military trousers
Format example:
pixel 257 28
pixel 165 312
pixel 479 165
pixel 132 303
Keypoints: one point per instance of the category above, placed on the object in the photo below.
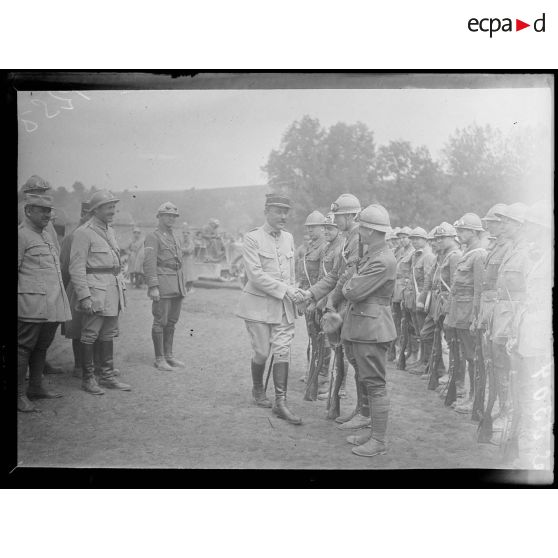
pixel 467 341
pixel 371 364
pixel 166 312
pixel 33 336
pixel 419 317
pixel 396 313
pixel 269 339
pixel 95 326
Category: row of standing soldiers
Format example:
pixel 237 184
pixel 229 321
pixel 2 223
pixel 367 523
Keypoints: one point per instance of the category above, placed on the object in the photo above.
pixel 480 290
pixel 490 303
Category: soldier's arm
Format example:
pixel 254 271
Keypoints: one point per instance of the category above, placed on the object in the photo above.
pixel 366 281
pixel 478 268
pixel 429 262
pixel 263 280
pixel 151 249
pixel 21 245
pixel 453 261
pixel 78 262
pixel 336 295
pixel 64 258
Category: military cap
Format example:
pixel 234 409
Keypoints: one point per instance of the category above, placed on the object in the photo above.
pixel 404 231
pixel 513 212
pixel 329 220
pixel 418 232
pixel 167 208
pixel 539 214
pixel 346 203
pixel 101 197
pixel 375 217
pixel 444 229
pixel 470 221
pixel 38 200
pixel 36 183
pixel 314 219
pixel 277 200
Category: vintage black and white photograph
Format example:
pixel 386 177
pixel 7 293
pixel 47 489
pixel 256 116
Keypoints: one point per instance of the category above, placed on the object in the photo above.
pixel 309 272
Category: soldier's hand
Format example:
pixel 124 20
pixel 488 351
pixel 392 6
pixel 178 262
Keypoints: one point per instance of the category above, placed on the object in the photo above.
pixel 307 295
pixel 420 305
pixel 311 307
pixel 86 305
pixel 153 294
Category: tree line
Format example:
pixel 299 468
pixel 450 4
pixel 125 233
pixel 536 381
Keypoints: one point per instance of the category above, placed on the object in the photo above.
pixel 479 167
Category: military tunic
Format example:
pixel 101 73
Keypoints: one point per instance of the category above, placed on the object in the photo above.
pixel 331 255
pixel 310 263
pixel 369 326
pixel 163 269
pixel 268 313
pixel 95 273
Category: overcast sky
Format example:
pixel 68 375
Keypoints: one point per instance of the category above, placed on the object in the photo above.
pixel 164 140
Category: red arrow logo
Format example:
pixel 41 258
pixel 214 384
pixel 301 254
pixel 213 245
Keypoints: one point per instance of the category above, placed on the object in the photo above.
pixel 519 25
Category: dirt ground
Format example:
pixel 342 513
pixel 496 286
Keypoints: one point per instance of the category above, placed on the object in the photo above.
pixel 203 417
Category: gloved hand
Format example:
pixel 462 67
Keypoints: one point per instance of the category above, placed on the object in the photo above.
pixel 154 294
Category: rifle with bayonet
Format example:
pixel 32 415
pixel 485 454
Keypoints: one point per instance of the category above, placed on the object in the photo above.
pixel 402 360
pixel 334 401
pixel 311 392
pixel 434 359
pixel 480 379
pixel 454 364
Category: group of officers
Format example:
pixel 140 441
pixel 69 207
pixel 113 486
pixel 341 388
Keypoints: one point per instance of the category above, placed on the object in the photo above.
pixel 80 285
pixel 478 291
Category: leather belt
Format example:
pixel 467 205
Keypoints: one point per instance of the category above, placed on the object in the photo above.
pixel 174 267
pixel 102 270
pixel 382 300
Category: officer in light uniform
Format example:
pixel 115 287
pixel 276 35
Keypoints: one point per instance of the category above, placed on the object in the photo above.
pixel 267 302
pixel 368 328
pixel 345 209
pixel 98 291
pixel 42 301
pixel 465 298
pixel 422 261
pixel 166 285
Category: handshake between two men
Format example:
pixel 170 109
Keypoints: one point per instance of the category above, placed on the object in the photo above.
pixel 298 296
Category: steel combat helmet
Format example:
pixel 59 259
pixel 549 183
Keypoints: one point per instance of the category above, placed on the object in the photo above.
pixel 101 197
pixel 469 221
pixel 514 212
pixel 375 217
pixel 167 208
pixel 314 219
pixel 418 232
pixel 346 203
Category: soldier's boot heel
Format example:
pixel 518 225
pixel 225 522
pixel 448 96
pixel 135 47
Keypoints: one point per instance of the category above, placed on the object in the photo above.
pixel 280 379
pixel 258 391
pixel 88 381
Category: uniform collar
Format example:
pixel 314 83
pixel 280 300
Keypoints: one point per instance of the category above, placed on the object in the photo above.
pixel 269 230
pixel 97 222
pixel 374 249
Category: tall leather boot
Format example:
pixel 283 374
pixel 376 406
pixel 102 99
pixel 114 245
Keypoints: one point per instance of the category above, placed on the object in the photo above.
pixel 168 338
pixel 426 351
pixel 23 404
pixel 36 389
pixel 97 358
pixel 107 378
pixel 160 362
pixel 258 391
pixel 76 349
pixel 379 411
pixel 280 378
pixel 361 417
pixel 88 380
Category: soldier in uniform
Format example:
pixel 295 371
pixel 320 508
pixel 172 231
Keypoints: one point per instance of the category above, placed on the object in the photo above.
pixel 98 291
pixel 72 328
pixel 402 317
pixel 368 327
pixel 494 356
pixel 133 250
pixel 345 210
pixel 403 249
pixel 308 272
pixel 422 262
pixel 510 293
pixel 37 185
pixel 531 345
pixel 165 283
pixel 42 301
pixel 267 302
pixel 448 254
pixel 331 258
pixel 425 303
pixel 465 297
